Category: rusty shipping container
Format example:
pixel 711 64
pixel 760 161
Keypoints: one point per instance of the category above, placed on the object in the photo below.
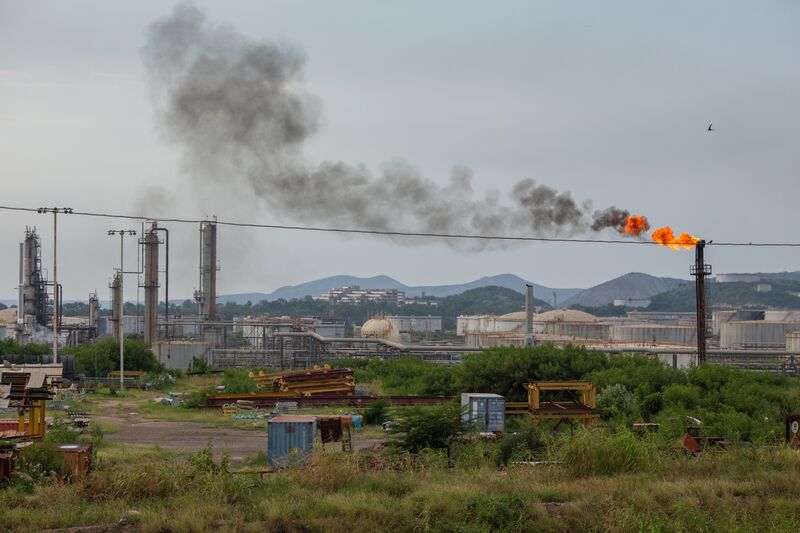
pixel 77 459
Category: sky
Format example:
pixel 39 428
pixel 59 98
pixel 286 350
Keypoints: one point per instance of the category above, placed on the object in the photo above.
pixel 608 100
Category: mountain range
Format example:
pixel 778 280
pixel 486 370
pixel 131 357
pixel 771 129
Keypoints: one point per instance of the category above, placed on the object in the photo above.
pixel 317 287
pixel 631 286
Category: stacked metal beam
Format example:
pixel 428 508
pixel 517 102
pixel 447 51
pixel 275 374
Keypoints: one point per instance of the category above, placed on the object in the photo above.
pixel 309 382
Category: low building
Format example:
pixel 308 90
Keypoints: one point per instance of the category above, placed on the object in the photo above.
pixel 353 294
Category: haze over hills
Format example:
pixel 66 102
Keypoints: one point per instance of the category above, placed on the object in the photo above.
pixel 317 287
pixel 631 286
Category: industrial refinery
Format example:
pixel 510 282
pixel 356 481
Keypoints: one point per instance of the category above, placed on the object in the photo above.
pixel 747 338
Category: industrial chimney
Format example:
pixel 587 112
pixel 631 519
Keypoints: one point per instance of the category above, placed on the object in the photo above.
pixel 150 244
pixel 207 295
pixel 116 305
pixel 94 309
pixel 528 314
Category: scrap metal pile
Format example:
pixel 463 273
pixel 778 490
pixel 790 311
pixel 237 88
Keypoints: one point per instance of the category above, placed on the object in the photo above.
pixel 325 380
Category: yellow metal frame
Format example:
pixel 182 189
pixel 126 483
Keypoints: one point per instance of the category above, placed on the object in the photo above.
pixel 37 425
pixel 586 389
pixel 533 407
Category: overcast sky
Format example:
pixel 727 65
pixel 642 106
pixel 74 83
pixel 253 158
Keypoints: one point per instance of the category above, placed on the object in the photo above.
pixel 608 100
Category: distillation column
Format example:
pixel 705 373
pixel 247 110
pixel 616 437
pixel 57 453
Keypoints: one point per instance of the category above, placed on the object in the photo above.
pixel 208 271
pixel 94 310
pixel 529 341
pixel 150 244
pixel 116 305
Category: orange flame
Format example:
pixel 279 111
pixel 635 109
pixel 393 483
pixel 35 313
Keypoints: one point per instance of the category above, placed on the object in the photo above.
pixel 665 237
pixel 636 225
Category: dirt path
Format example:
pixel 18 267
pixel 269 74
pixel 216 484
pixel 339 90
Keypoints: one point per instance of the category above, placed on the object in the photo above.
pixel 189 437
pixel 186 437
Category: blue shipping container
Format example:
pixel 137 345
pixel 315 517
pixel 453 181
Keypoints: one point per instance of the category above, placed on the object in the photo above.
pixel 290 438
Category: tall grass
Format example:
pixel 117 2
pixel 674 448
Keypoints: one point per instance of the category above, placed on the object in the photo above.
pixel 594 452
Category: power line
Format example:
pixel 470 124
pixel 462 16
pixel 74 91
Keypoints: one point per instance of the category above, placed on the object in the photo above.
pixel 402 233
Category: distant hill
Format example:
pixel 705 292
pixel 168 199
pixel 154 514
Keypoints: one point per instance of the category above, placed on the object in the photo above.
pixel 783 295
pixel 317 287
pixel 634 285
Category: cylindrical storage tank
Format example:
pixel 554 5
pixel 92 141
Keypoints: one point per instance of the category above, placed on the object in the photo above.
pixel 793 341
pixel 290 439
pixel 755 334
pixel 179 354
pixel 775 315
pixel 719 317
pixel 486 411
pixel 655 334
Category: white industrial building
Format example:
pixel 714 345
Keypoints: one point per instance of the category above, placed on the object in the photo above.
pixel 416 324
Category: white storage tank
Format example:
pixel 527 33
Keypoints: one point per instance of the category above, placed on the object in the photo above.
pixel 793 342
pixel 655 334
pixel 487 411
pixel 755 334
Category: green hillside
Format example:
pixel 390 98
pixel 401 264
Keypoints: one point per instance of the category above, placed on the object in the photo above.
pixel 783 295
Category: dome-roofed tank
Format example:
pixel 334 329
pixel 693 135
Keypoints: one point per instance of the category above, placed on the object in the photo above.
pixel 564 315
pixel 380 328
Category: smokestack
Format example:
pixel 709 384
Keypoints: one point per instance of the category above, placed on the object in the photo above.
pixel 93 310
pixel 208 270
pixel 700 270
pixel 116 305
pixel 528 314
pixel 150 243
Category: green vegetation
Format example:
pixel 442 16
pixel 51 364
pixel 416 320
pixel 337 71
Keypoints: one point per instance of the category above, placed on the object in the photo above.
pixel 406 376
pixel 733 404
pixel 102 357
pixel 435 427
pixel 739 294
pixel 602 482
pixel 441 477
pixel 10 346
pixel 377 412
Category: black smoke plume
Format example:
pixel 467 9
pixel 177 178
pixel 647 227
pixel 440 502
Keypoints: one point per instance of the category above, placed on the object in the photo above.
pixel 238 110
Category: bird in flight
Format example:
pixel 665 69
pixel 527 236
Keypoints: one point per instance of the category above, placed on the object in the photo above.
pixel 710 128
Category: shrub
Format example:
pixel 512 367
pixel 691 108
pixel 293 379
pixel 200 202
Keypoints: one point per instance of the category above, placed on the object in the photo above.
pixel 434 427
pixel 102 357
pixel 616 401
pixel 651 405
pixel 377 412
pixel 236 381
pixel 40 461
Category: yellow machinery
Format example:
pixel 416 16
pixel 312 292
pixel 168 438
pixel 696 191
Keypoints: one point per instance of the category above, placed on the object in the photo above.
pixel 28 392
pixel 36 425
pixel 577 401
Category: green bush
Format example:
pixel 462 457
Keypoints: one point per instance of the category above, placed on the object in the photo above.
pixel 40 462
pixel 616 402
pixel 651 405
pixel 434 427
pixel 377 412
pixel 102 357
pixel 238 381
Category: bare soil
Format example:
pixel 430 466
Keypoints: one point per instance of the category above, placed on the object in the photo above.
pixel 186 437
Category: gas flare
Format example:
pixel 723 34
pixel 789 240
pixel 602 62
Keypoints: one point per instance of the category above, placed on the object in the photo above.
pixel 636 225
pixel 666 237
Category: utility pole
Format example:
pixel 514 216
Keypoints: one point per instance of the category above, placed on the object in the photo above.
pixel 55 211
pixel 121 323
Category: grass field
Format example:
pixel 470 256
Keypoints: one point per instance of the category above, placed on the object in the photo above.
pixel 600 479
pixel 748 489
